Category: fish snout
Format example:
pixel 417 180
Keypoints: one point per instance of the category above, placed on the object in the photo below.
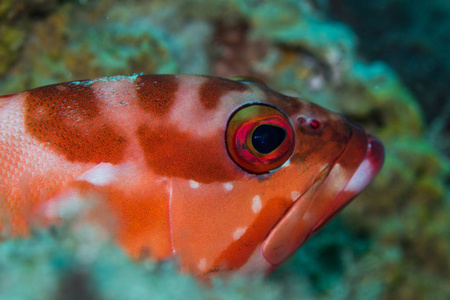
pixel 334 188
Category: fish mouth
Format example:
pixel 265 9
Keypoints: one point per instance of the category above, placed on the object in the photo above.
pixel 350 173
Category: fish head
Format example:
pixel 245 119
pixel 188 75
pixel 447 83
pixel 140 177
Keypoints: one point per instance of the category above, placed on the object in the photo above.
pixel 332 160
pixel 301 152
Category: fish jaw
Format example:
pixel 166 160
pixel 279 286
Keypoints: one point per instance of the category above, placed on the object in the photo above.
pixel 334 188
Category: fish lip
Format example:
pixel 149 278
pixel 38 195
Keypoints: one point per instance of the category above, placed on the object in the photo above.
pixel 347 176
pixel 369 166
pixel 362 177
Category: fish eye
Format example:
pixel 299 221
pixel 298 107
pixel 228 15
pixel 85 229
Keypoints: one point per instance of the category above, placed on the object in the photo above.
pixel 259 138
pixel 267 137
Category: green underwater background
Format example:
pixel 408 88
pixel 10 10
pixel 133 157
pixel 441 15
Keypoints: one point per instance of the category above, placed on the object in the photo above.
pixel 381 63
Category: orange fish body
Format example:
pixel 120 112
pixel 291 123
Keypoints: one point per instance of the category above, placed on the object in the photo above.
pixel 222 174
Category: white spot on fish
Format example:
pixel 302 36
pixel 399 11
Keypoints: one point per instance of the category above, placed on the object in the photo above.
pixel 295 195
pixel 101 175
pixel 194 184
pixel 228 186
pixel 202 264
pixel 256 204
pixel 238 233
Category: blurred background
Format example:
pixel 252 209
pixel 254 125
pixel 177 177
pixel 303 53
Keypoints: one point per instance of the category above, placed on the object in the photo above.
pixel 381 63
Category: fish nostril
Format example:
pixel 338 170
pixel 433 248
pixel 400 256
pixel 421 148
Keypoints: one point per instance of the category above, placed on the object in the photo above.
pixel 301 121
pixel 311 123
pixel 315 124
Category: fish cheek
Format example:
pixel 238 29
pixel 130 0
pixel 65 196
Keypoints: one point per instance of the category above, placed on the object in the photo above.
pixel 238 252
pixel 217 227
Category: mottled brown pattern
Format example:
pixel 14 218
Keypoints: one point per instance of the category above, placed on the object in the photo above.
pixel 214 88
pixel 156 93
pixel 176 154
pixel 66 117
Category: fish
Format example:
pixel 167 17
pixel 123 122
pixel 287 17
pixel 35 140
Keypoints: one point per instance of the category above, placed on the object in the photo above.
pixel 224 175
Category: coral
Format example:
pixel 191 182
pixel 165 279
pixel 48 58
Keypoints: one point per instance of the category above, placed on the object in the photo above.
pixel 83 264
pixel 15 27
pixel 413 39
pixel 415 44
pixel 11 36
pixel 392 242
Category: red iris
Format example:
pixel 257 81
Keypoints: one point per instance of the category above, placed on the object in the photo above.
pixel 260 138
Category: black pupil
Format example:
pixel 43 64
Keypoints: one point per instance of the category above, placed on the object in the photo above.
pixel 267 138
